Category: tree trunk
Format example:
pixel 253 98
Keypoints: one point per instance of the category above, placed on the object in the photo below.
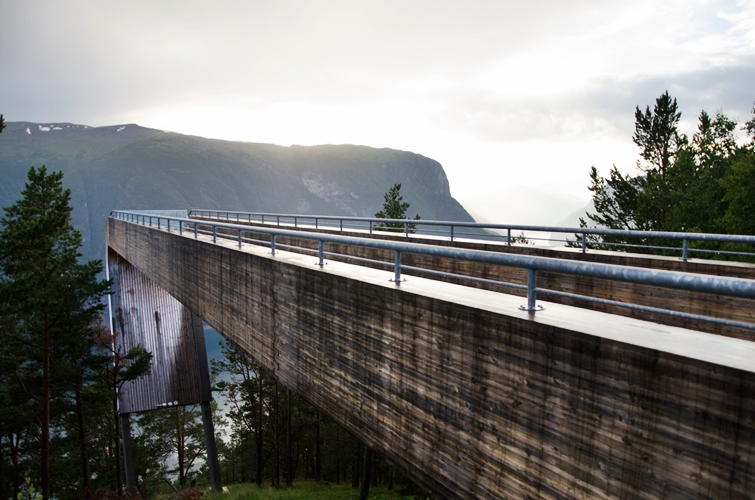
pixel 356 465
pixel 375 470
pixel 289 458
pixel 117 440
pixel 338 456
pixel 180 449
pixel 364 494
pixel 83 444
pixel 259 430
pixel 276 479
pixel 5 480
pixel 45 466
pixel 318 451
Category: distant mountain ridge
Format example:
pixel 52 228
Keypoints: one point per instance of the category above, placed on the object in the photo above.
pixel 133 167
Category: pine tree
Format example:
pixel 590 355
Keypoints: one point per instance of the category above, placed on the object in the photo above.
pixel 46 296
pixel 657 135
pixel 394 208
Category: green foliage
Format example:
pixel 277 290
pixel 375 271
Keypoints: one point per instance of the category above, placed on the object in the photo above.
pixel 521 238
pixel 656 133
pixel 395 208
pixel 749 126
pixel 310 490
pixel 740 196
pixel 702 185
pixel 319 448
pixel 28 492
pixel 175 432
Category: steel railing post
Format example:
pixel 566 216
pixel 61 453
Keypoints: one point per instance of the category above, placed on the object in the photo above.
pixel 196 234
pixel 584 243
pixel 406 229
pixel 685 248
pixel 452 233
pixel 316 226
pixel 531 289
pixel 279 220
pixel 341 221
pixel 295 222
pixel 272 244
pixel 239 238
pixel 214 234
pixel 508 237
pixel 181 227
pixel 397 266
pixel 370 227
pixel 263 218
pixel 321 253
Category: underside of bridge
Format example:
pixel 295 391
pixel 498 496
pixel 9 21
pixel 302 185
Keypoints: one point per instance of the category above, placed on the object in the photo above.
pixel 467 395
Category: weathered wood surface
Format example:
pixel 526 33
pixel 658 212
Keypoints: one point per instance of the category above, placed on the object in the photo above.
pixel 145 314
pixel 732 308
pixel 469 396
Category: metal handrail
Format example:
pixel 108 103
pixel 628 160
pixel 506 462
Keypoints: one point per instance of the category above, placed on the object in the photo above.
pixel 685 238
pixel 732 287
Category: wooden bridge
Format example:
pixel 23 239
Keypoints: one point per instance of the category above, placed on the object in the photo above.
pixel 452 381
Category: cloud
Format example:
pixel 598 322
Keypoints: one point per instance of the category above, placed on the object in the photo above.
pixel 604 107
pixel 548 84
pixel 96 59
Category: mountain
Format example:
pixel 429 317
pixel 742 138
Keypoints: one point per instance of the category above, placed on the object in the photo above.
pixel 133 167
pixel 572 220
pixel 525 206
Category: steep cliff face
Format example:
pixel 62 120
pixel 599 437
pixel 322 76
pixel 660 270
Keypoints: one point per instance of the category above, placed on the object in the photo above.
pixel 132 167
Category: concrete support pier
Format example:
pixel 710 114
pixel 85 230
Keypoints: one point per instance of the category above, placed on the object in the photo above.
pixel 142 313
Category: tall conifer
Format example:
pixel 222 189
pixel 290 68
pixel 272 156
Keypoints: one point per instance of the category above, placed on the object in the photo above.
pixel 47 298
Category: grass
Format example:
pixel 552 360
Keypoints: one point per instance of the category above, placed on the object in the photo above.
pixel 306 490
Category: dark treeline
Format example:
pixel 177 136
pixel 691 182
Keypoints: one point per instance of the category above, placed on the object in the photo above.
pixel 275 436
pixel 704 184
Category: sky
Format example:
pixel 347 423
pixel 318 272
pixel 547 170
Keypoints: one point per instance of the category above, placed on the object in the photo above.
pixel 501 93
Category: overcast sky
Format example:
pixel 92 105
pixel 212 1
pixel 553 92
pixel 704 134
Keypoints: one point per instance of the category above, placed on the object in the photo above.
pixel 500 92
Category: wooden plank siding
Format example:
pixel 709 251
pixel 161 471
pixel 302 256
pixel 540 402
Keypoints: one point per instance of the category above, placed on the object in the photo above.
pixel 732 308
pixel 468 396
pixel 144 314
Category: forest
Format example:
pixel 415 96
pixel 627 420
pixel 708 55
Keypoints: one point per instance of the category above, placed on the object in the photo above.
pixel 702 184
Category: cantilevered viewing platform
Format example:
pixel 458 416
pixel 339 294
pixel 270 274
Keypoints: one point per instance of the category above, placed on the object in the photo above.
pixel 596 375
